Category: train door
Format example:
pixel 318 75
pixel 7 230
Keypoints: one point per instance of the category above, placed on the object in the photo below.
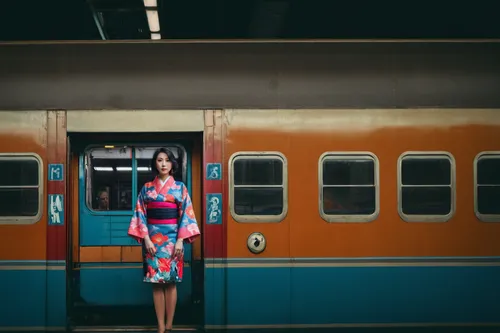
pixel 107 271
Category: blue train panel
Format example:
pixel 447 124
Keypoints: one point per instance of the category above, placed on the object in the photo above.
pixel 295 296
pixel 33 295
pixel 121 284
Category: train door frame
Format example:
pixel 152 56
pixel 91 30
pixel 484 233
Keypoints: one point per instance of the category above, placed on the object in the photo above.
pixel 194 177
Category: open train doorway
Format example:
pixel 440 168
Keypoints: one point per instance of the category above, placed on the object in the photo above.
pixel 105 269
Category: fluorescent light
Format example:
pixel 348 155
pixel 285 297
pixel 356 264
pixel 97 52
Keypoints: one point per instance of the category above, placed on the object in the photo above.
pixel 103 168
pixel 143 169
pixel 123 168
pixel 153 20
pixel 109 146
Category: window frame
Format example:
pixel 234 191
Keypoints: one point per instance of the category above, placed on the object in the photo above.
pixel 16 220
pixel 343 156
pixel 483 217
pixel 426 155
pixel 87 179
pixel 256 155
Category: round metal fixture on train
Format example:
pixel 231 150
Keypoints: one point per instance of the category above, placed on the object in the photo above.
pixel 256 242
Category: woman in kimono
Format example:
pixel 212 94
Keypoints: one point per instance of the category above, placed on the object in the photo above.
pixel 163 220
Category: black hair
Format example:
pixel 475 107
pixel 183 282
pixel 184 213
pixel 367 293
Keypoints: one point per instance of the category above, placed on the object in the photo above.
pixel 171 158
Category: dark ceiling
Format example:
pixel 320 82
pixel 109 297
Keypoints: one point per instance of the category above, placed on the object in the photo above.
pixel 247 19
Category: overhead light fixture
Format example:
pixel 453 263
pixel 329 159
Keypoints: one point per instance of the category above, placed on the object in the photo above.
pixel 109 146
pixel 151 8
pixel 96 168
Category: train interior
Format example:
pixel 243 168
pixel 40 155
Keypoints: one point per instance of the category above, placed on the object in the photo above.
pixel 104 265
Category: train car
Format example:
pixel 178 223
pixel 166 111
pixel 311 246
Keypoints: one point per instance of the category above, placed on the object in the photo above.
pixel 310 217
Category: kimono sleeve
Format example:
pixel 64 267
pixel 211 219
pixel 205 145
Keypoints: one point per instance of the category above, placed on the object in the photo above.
pixel 188 227
pixel 138 228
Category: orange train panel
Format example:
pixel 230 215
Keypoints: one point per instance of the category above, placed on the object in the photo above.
pixel 25 131
pixel 131 254
pixel 110 254
pixel 302 138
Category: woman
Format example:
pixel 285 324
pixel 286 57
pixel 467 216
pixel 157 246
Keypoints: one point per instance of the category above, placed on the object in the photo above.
pixel 163 220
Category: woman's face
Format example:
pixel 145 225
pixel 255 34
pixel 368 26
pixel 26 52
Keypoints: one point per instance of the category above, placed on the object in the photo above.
pixel 163 165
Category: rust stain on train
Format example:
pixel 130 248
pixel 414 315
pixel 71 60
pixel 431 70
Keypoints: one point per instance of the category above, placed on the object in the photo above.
pixel 303 233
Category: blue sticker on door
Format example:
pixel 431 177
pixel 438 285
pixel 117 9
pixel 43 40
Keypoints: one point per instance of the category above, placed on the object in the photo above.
pixel 56 209
pixel 56 172
pixel 214 208
pixel 214 171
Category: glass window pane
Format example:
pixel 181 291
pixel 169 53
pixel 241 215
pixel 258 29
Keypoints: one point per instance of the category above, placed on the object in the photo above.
pixel 426 172
pixel 19 202
pixel 348 172
pixel 488 200
pixel 144 155
pixel 21 172
pixel 258 171
pixel 258 201
pixel 111 178
pixel 349 200
pixel 488 171
pixel 426 200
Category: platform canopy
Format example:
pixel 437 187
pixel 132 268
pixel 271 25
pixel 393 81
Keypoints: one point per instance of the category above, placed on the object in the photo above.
pixel 245 19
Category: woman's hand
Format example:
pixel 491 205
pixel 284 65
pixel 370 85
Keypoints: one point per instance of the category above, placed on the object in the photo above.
pixel 150 247
pixel 179 248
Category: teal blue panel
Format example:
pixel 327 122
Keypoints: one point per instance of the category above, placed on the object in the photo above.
pixel 32 296
pixel 315 296
pixel 101 228
pixel 56 298
pixel 102 285
pixel 18 286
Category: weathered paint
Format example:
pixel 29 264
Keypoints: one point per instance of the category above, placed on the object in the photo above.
pixel 25 131
pixel 34 257
pixel 302 139
pixel 56 153
pixel 135 121
pixel 214 234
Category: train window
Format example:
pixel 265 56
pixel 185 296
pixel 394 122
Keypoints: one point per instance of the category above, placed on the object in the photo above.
pixel 114 173
pixel 487 186
pixel 109 181
pixel 21 188
pixel 426 186
pixel 348 187
pixel 258 186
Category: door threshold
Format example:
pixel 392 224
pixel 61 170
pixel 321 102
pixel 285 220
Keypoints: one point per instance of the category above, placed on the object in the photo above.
pixel 99 329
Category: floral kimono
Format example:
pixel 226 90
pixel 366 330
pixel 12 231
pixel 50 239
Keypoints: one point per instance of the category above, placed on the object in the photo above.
pixel 165 213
